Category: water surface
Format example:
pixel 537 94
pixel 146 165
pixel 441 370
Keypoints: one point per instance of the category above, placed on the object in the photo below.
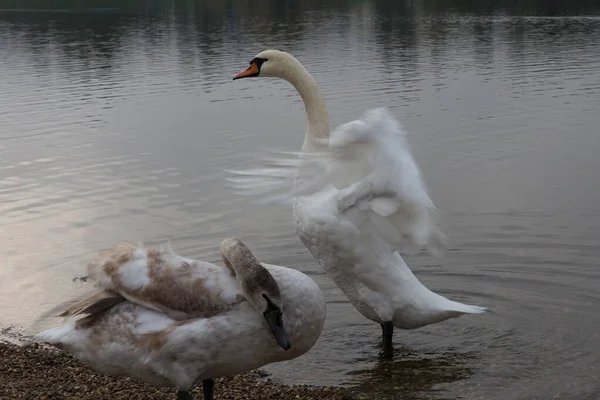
pixel 117 124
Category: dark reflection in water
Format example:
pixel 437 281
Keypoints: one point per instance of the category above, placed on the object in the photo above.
pixel 118 117
pixel 417 376
pixel 211 10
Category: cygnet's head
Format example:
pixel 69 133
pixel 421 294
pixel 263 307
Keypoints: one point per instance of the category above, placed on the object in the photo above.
pixel 259 287
pixel 269 63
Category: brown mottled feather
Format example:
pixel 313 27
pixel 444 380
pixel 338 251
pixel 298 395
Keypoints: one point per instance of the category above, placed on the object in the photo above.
pixel 187 288
pixel 96 303
pixel 94 306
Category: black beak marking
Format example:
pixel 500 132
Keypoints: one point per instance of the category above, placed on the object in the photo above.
pixel 273 315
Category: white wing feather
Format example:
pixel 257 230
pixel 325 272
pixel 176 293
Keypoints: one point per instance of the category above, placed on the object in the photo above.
pixel 369 162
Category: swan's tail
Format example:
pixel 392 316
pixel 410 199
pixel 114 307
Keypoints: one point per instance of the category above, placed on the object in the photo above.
pixel 464 308
pixel 452 308
pixel 439 309
pixel 429 307
pixel 56 336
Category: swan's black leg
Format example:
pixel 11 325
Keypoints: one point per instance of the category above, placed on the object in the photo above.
pixel 207 388
pixel 388 333
pixel 184 396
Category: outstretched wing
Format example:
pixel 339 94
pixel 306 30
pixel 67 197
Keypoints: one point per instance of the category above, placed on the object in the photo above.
pixel 380 188
pixel 165 282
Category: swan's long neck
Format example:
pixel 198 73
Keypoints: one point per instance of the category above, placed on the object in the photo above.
pixel 314 103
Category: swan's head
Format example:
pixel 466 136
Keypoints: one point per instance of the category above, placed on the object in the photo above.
pixel 269 63
pixel 259 287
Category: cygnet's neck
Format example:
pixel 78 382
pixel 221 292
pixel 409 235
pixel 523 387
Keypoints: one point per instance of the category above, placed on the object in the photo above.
pixel 238 258
pixel 254 279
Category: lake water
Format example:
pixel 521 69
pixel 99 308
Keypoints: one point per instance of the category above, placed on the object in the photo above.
pixel 117 124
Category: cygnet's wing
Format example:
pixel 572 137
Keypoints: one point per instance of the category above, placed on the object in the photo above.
pixel 163 281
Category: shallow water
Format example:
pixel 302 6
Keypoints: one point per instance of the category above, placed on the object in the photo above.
pixel 117 124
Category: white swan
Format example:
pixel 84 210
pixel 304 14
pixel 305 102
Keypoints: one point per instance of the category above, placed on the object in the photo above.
pixel 172 321
pixel 358 198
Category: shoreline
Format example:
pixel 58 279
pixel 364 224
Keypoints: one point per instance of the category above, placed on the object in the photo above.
pixel 35 371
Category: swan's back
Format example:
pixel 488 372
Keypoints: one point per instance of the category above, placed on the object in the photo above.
pixel 377 204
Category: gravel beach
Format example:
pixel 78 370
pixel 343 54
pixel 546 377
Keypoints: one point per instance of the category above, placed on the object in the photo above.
pixel 37 372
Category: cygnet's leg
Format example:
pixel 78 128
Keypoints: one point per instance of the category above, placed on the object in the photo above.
pixel 183 395
pixel 207 388
pixel 388 332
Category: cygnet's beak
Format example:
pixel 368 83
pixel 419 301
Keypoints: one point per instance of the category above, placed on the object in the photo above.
pixel 251 71
pixel 273 317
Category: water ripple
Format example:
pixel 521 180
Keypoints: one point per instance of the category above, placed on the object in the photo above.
pixel 118 127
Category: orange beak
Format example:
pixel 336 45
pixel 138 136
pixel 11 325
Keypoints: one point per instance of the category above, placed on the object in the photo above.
pixel 252 70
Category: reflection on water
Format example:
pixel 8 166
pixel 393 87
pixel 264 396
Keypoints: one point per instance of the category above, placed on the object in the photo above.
pixel 117 124
pixel 413 374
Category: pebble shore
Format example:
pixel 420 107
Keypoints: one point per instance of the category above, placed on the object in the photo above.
pixel 37 372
